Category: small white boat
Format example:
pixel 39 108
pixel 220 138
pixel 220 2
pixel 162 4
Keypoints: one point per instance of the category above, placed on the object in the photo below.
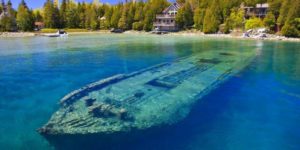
pixel 59 33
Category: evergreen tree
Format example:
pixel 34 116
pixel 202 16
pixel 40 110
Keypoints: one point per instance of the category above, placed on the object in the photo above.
pixel 123 24
pixel 25 20
pixel 108 15
pixel 82 15
pixel 199 18
pixel 72 16
pixel 290 27
pixel 283 12
pixel 37 16
pixel 62 13
pixel 212 18
pixel 270 21
pixel 116 16
pixel 235 20
pixel 184 17
pixel 51 15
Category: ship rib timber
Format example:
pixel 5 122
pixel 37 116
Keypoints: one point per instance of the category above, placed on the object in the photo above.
pixel 155 96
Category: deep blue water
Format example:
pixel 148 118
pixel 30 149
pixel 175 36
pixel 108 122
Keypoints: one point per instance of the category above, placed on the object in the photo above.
pixel 256 109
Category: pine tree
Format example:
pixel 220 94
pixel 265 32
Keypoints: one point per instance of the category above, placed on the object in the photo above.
pixel 184 17
pixel 270 21
pixel 116 16
pixel 212 18
pixel 37 16
pixel 283 12
pixel 51 15
pixel 25 20
pixel 199 18
pixel 72 16
pixel 108 15
pixel 235 20
pixel 82 15
pixel 62 13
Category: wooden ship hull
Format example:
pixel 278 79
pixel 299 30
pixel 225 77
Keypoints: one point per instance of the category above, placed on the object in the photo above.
pixel 153 97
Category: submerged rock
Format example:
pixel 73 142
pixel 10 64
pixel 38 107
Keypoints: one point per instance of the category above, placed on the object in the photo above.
pixel 160 95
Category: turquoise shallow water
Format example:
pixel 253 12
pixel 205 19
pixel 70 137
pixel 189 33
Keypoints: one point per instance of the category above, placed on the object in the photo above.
pixel 256 109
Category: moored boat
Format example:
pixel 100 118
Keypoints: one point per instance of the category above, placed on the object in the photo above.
pixel 160 95
pixel 59 33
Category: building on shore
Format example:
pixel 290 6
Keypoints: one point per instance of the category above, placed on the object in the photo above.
pixel 260 10
pixel 166 20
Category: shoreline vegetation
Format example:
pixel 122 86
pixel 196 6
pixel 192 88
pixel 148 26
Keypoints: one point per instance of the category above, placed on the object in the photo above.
pixel 270 37
pixel 281 17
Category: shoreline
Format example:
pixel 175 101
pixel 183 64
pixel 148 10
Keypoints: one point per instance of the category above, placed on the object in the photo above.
pixel 270 37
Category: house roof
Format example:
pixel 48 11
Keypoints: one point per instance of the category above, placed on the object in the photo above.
pixel 265 5
pixel 173 6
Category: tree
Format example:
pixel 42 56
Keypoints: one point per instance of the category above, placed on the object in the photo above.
pixel 290 31
pixel 212 18
pixel 62 13
pixel 107 15
pixel 274 7
pixel 123 22
pixel 25 20
pixel 270 21
pixel 254 23
pixel 51 15
pixel 184 17
pixel 291 26
pixel 283 12
pixel 116 16
pixel 235 20
pixel 37 16
pixel 81 14
pixel 72 19
pixel 199 18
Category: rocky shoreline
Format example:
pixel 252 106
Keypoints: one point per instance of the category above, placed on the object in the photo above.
pixel 270 37
pixel 16 34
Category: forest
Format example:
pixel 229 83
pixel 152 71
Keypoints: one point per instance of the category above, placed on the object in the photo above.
pixel 208 16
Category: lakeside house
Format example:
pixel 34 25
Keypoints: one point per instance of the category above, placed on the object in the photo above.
pixel 166 20
pixel 6 13
pixel 260 10
pixel 4 10
pixel 39 25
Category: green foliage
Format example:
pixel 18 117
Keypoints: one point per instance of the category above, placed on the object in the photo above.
pixel 254 23
pixel 116 16
pixel 284 9
pixel 290 31
pixel 212 18
pixel 51 15
pixel 235 20
pixel 270 21
pixel 199 18
pixel 138 26
pixel 25 18
pixel 297 23
pixel 184 17
pixel 37 16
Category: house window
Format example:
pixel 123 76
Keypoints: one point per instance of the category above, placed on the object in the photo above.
pixel 171 21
